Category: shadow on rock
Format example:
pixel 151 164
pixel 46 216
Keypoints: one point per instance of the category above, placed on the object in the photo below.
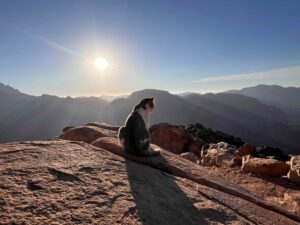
pixel 158 197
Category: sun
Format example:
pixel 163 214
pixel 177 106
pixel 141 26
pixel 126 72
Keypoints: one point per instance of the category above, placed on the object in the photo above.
pixel 101 63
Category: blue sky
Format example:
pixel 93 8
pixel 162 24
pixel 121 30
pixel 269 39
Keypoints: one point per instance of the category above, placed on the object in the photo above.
pixel 49 46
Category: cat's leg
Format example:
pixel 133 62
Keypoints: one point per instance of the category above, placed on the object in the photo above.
pixel 146 150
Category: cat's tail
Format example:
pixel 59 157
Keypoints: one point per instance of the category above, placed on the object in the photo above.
pixel 151 152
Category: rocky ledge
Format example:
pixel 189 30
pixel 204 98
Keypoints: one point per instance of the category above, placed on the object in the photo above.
pixel 92 181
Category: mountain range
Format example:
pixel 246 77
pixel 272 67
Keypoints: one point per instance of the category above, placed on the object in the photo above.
pixel 251 113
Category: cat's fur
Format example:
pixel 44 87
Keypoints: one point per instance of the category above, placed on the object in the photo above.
pixel 134 136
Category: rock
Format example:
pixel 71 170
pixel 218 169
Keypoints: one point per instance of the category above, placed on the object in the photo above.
pixel 270 152
pixel 190 156
pixel 208 160
pixel 220 154
pixel 107 143
pixel 236 161
pixel 224 147
pixel 103 125
pixel 171 164
pixel 195 146
pixel 209 136
pixel 294 173
pixel 270 167
pixel 174 138
pixel 245 149
pixel 70 182
pixel 225 160
pixel 67 128
pixel 87 133
pixel 293 198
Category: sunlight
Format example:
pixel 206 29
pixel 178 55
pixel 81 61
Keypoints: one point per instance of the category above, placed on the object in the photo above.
pixel 101 63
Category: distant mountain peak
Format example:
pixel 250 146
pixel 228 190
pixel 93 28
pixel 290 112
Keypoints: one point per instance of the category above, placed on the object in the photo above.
pixel 8 89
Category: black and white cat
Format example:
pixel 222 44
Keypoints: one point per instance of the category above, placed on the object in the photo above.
pixel 134 136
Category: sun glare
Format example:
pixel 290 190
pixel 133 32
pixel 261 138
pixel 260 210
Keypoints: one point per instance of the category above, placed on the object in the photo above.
pixel 101 63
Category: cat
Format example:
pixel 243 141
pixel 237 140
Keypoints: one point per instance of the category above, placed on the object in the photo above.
pixel 134 136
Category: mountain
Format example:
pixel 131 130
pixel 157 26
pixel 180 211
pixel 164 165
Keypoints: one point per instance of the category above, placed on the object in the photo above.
pixel 258 123
pixel 26 117
pixel 285 98
pixel 110 98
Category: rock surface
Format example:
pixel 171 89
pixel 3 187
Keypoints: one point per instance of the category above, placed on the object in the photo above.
pixel 220 154
pixel 103 125
pixel 171 164
pixel 71 182
pixel 270 167
pixel 294 173
pixel 67 182
pixel 174 138
pixel 87 133
pixel 190 156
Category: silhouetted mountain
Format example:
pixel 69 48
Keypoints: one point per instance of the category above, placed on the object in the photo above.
pixel 286 99
pixel 110 98
pixel 25 117
pixel 259 123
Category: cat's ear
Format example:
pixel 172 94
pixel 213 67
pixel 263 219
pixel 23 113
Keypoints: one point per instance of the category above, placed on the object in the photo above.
pixel 152 99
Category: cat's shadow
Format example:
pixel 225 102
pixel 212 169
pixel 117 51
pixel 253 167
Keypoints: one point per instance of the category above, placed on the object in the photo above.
pixel 158 198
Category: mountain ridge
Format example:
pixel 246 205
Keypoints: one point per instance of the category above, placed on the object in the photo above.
pixel 28 117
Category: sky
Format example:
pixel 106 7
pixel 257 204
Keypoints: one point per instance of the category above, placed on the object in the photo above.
pixel 49 46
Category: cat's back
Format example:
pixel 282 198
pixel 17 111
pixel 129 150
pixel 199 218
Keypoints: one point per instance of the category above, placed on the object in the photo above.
pixel 131 119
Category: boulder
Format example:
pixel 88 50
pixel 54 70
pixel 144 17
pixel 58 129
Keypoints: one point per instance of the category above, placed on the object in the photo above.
pixel 224 147
pixel 190 156
pixel 236 161
pixel 270 167
pixel 174 138
pixel 87 133
pixel 111 143
pixel 195 146
pixel 245 149
pixel 294 173
pixel 67 128
pixel 220 154
pixel 211 136
pixel 217 157
pixel 103 125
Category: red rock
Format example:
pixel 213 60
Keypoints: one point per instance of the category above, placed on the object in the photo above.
pixel 245 149
pixel 236 161
pixel 169 137
pixel 174 139
pixel 86 133
pixel 195 146
pixel 270 167
pixel 103 125
pixel 110 143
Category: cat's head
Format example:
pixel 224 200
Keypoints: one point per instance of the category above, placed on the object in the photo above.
pixel 147 104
